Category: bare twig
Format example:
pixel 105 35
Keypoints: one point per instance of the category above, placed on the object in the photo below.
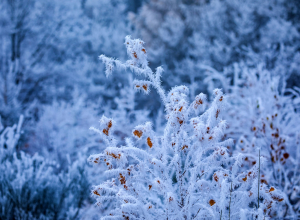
pixel 197 213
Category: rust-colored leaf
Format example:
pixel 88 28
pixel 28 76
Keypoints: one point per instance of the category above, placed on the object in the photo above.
pixel 134 54
pixel 264 181
pixel 149 142
pixel 212 202
pixel 105 131
pixel 276 135
pixel 271 189
pixel 184 146
pixel 286 155
pixel 273 159
pixel 198 102
pixel 145 87
pixel 216 178
pixel 122 179
pixel 116 156
pixel 269 205
pixel 138 133
pixel 277 198
pixel 96 192
pixel 180 121
pixel 109 124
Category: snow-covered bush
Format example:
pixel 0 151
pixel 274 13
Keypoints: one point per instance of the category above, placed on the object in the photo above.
pixel 42 42
pixel 62 131
pixel 31 188
pixel 263 113
pixel 185 172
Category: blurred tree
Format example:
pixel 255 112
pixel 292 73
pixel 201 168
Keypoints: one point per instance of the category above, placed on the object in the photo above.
pixel 217 33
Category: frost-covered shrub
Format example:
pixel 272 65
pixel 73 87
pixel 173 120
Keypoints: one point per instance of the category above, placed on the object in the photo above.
pixel 9 138
pixel 263 113
pixel 30 187
pixel 185 172
pixel 62 131
pixel 42 42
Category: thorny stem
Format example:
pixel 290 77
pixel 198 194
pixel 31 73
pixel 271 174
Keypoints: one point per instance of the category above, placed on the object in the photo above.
pixel 258 178
pixel 230 200
pixel 221 215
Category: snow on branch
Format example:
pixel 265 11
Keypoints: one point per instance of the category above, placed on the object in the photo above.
pixel 186 172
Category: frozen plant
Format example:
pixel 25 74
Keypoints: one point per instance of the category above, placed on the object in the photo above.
pixel 9 138
pixel 31 189
pixel 61 134
pixel 264 113
pixel 184 172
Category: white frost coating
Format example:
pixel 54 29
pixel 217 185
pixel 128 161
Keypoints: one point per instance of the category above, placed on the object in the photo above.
pixel 186 172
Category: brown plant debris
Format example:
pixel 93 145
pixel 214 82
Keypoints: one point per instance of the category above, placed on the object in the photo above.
pixel 138 133
pixel 212 202
pixel 149 142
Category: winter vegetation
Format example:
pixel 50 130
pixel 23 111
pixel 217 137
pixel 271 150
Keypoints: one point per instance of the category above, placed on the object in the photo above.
pixel 199 115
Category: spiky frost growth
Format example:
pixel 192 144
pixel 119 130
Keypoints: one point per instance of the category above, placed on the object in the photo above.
pixel 126 115
pixel 184 173
pixel 263 113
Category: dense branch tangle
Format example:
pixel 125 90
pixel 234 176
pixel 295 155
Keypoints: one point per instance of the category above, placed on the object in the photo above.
pixel 183 173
